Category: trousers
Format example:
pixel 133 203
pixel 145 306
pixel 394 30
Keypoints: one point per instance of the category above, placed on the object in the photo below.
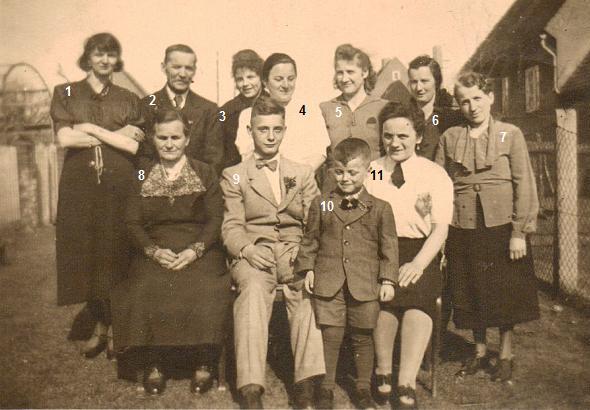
pixel 252 314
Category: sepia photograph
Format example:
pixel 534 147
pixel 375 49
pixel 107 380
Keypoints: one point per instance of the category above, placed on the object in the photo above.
pixel 338 204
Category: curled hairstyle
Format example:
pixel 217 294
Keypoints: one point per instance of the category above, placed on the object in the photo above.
pixel 183 48
pixel 247 59
pixel 104 42
pixel 351 148
pixel 166 115
pixel 411 111
pixel 347 52
pixel 432 64
pixel 273 60
pixel 471 78
pixel 264 105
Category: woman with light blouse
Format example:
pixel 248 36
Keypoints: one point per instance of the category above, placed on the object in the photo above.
pixel 491 271
pixel 421 196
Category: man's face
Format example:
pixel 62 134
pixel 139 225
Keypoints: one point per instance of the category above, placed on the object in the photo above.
pixel 399 138
pixel 475 104
pixel 422 84
pixel 180 68
pixel 350 177
pixel 267 131
pixel 170 140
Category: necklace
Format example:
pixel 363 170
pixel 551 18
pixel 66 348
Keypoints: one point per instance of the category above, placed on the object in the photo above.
pixel 171 177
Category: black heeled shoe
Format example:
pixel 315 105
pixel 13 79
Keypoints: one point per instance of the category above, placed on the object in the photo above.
pixel 95 345
pixel 383 380
pixel 201 384
pixel 473 366
pixel 406 391
pixel 154 381
pixel 503 371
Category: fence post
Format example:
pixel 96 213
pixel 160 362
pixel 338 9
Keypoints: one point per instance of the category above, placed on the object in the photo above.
pixel 567 198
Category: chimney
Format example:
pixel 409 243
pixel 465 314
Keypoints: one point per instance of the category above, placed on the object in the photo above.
pixel 437 54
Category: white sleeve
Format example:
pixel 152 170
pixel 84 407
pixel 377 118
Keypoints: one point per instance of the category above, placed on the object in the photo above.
pixel 244 142
pixel 442 197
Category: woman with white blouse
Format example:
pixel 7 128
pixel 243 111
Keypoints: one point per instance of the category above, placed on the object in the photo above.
pixel 306 137
pixel 421 196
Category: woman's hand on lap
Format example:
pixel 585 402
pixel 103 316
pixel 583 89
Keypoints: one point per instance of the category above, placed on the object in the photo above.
pixel 185 258
pixel 409 273
pixel 517 248
pixel 165 257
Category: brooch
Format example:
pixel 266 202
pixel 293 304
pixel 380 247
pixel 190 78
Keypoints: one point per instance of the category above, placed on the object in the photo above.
pixel 290 182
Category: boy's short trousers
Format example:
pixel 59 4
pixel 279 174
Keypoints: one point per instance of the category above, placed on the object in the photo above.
pixel 342 309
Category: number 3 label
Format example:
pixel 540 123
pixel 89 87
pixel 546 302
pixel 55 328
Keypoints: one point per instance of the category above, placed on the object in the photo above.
pixel 222 116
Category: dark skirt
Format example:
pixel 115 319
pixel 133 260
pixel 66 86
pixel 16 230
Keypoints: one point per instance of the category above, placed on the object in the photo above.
pixel 422 294
pixel 488 289
pixel 155 306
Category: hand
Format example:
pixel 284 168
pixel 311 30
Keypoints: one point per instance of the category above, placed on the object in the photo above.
pixel 259 256
pixel 165 257
pixel 184 258
pixel 133 132
pixel 386 292
pixel 86 127
pixel 309 279
pixel 517 248
pixel 93 141
pixel 409 273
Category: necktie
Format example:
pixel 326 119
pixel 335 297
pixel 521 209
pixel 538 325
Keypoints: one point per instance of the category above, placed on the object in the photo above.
pixel 349 204
pixel 272 165
pixel 397 176
pixel 178 101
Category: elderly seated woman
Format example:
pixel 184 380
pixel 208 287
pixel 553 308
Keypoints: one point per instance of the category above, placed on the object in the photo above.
pixel 177 294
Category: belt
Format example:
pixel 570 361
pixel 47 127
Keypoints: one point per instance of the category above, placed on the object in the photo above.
pixel 97 163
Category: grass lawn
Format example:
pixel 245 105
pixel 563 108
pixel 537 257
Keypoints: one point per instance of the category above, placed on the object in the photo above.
pixel 40 368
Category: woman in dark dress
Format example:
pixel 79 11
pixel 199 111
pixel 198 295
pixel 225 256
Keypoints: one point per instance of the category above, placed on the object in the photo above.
pixel 490 266
pixel 177 293
pixel 421 196
pixel 95 121
pixel 246 70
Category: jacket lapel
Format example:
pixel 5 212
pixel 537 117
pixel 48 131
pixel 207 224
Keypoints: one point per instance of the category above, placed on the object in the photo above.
pixel 287 171
pixel 348 217
pixel 259 182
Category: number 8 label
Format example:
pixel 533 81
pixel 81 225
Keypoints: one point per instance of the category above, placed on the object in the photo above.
pixel 141 174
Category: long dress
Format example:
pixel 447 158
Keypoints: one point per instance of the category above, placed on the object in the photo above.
pixel 155 306
pixel 91 239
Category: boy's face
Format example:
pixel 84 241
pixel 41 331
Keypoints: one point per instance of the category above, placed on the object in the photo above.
pixel 267 131
pixel 350 177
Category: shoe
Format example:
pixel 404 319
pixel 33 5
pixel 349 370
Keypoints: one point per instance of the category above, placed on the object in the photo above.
pixel 111 355
pixel 303 393
pixel 94 346
pixel 201 381
pixel 251 397
pixel 325 399
pixel 408 393
pixel 383 383
pixel 473 366
pixel 503 371
pixel 364 400
pixel 154 381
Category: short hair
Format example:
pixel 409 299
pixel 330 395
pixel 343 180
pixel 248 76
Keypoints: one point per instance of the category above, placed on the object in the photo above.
pixel 183 48
pixel 247 59
pixel 411 111
pixel 349 53
pixel 163 116
pixel 473 79
pixel 275 59
pixel 104 42
pixel 264 105
pixel 351 148
pixel 427 61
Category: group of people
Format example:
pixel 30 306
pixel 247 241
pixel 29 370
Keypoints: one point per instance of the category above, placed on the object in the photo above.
pixel 166 202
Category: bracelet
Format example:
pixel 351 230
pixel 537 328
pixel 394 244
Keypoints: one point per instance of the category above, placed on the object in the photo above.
pixel 150 251
pixel 198 247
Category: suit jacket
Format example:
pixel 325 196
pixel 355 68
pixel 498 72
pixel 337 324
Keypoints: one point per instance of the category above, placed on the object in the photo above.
pixel 251 211
pixel 206 143
pixel 358 246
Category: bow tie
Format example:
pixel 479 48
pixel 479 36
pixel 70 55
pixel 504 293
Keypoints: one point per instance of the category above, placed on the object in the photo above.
pixel 349 204
pixel 272 165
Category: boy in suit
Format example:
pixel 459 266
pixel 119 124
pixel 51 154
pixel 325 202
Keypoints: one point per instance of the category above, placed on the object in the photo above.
pixel 350 261
pixel 267 198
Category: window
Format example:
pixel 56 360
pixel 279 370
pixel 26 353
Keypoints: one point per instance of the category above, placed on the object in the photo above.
pixel 395 75
pixel 532 89
pixel 505 95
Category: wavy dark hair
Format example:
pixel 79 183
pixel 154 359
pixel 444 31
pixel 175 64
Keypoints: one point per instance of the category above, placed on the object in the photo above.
pixel 395 109
pixel 104 42
pixel 264 105
pixel 473 79
pixel 247 59
pixel 349 53
pixel 427 61
pixel 166 115
pixel 351 148
pixel 273 60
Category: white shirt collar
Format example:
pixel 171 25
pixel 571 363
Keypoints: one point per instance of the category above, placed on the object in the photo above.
pixel 406 165
pixel 172 94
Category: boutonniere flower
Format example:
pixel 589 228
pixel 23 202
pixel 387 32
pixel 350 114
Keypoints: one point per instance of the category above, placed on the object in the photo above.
pixel 290 182
pixel 424 204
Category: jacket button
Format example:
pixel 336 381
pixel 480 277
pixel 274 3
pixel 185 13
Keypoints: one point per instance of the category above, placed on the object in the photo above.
pixel 476 187
pixel 346 243
pixel 347 227
pixel 346 260
pixel 277 227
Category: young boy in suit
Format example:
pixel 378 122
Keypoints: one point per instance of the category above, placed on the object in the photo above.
pixel 349 257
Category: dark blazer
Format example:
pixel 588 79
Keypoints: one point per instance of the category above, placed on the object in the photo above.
pixel 205 129
pixel 232 110
pixel 359 246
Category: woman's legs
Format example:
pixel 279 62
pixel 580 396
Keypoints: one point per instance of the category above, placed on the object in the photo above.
pixel 416 332
pixel 506 342
pixel 479 337
pixel 384 335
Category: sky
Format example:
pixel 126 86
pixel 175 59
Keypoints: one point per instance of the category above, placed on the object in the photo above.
pixel 50 33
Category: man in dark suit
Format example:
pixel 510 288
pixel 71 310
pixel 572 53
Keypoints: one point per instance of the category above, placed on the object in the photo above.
pixel 180 65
